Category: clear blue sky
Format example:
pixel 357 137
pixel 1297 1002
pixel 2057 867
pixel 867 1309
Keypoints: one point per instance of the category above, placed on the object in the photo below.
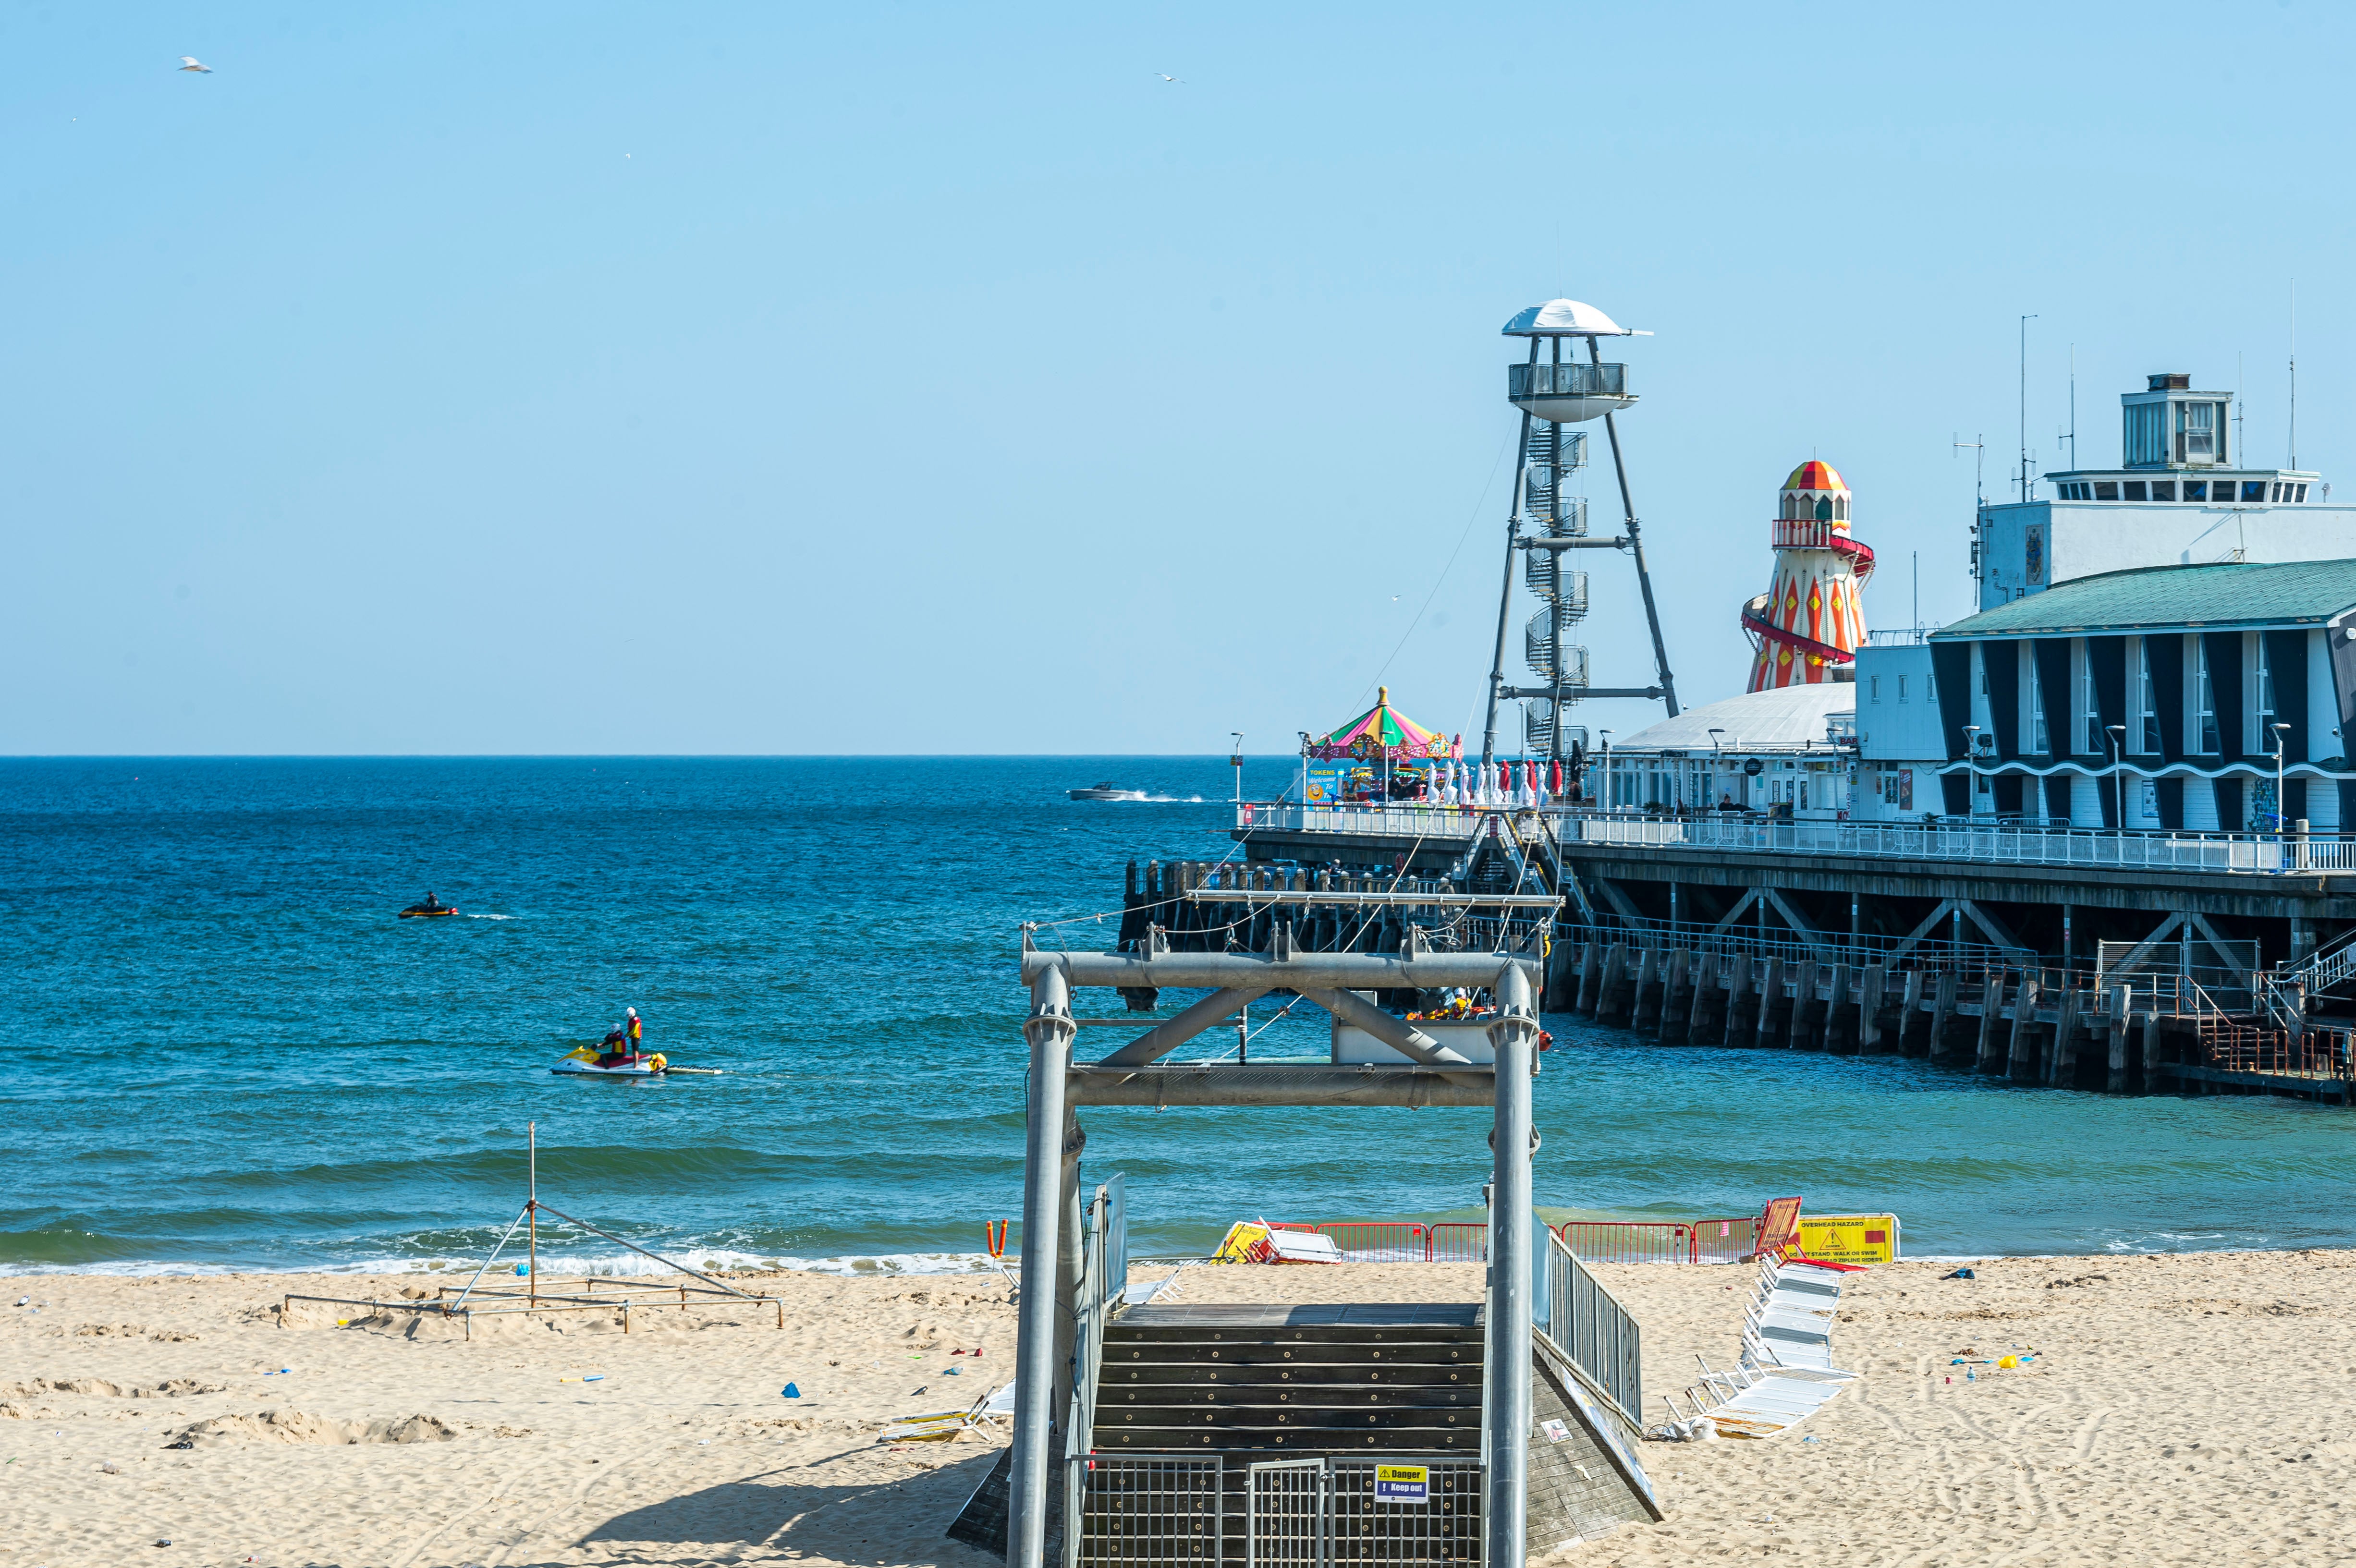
pixel 755 379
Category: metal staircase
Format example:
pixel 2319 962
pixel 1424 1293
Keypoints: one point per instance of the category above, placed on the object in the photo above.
pixel 1550 456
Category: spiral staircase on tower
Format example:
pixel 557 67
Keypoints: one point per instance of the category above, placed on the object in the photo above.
pixel 1550 456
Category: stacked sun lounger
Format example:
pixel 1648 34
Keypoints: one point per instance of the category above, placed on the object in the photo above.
pixel 1784 1373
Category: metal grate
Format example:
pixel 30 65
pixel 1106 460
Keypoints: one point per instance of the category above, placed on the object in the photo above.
pixel 1148 1511
pixel 1446 1528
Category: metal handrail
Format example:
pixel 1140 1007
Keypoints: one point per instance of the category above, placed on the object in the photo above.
pixel 1567 380
pixel 1588 1327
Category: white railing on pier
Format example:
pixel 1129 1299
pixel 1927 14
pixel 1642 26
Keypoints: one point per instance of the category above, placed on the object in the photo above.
pixel 2255 854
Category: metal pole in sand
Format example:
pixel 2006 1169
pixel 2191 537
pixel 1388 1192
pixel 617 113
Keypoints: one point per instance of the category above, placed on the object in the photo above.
pixel 1050 1031
pixel 532 1207
pixel 1510 1262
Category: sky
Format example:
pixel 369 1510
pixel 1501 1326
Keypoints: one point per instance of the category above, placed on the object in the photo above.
pixel 541 378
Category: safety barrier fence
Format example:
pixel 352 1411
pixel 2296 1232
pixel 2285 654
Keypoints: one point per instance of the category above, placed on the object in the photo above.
pixel 1586 1324
pixel 1591 1241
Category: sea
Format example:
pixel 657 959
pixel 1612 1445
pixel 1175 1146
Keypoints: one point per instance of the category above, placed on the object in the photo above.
pixel 225 1052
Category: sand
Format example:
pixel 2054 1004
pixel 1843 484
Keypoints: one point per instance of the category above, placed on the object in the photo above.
pixel 2191 1409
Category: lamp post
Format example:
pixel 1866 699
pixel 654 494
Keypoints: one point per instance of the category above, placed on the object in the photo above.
pixel 1605 737
pixel 1971 761
pixel 1718 762
pixel 1235 760
pixel 2279 819
pixel 2117 732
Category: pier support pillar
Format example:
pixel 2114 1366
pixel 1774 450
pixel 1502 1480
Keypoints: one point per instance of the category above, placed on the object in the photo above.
pixel 2121 1006
pixel 1771 993
pixel 2061 1062
pixel 1674 985
pixel 1837 1011
pixel 2021 1064
pixel 1512 1260
pixel 1992 991
pixel 1910 1014
pixel 1943 1014
pixel 1705 981
pixel 1869 1009
pixel 1050 1030
pixel 1590 989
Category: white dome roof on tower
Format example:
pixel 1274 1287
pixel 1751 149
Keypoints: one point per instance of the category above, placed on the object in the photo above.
pixel 1566 318
pixel 1787 716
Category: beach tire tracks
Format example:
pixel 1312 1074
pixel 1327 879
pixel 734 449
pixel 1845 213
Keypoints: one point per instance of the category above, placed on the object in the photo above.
pixel 2088 1430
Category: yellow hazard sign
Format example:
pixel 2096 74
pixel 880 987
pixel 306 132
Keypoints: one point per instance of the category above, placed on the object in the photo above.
pixel 1408 1484
pixel 1849 1238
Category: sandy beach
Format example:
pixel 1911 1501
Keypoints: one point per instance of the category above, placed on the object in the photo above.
pixel 2182 1408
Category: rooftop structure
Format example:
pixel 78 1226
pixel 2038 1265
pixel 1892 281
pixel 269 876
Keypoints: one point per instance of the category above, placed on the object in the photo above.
pixel 2180 496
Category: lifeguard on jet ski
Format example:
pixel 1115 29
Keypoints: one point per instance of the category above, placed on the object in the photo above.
pixel 616 1056
pixel 432 909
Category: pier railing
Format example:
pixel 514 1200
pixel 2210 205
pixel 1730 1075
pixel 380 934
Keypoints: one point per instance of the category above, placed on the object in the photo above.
pixel 2087 849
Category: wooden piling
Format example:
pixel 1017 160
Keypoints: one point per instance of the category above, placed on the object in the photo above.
pixel 1876 981
pixel 1771 993
pixel 1615 968
pixel 1837 1011
pixel 1647 988
pixel 1910 1014
pixel 2122 1005
pixel 2065 1059
pixel 1992 989
pixel 1672 1019
pixel 1591 980
pixel 1737 995
pixel 1705 983
pixel 1943 1014
pixel 2021 1065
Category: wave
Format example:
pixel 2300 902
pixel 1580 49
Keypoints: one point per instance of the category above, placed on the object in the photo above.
pixel 490 917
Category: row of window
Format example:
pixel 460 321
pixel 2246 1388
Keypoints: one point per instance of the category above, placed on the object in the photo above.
pixel 2261 492
pixel 1930 688
pixel 2141 737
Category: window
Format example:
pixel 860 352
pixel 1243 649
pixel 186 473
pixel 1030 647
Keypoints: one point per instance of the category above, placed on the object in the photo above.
pixel 2146 703
pixel 2253 489
pixel 2196 489
pixel 2274 492
pixel 2163 489
pixel 1901 688
pixel 2196 432
pixel 2302 494
pixel 2090 716
pixel 2204 699
pixel 1840 509
pixel 1930 688
pixel 1877 688
pixel 2266 704
pixel 1889 786
pixel 2105 490
pixel 2037 740
pixel 1980 664
pixel 2147 440
pixel 2134 491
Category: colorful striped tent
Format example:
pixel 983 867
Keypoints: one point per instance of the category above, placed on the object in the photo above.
pixel 1383 730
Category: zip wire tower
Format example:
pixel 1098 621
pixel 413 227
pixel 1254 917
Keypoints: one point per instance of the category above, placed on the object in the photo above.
pixel 1552 391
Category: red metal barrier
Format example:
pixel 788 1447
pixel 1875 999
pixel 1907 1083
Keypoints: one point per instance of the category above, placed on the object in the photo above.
pixel 1460 1241
pixel 1379 1241
pixel 1627 1241
pixel 1723 1241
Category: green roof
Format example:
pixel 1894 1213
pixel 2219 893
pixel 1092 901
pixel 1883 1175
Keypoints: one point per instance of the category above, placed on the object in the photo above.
pixel 2228 593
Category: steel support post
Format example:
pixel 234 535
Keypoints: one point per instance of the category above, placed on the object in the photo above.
pixel 1049 1031
pixel 1636 545
pixel 1512 1258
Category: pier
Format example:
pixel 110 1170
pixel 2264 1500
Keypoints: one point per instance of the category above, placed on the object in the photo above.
pixel 2112 962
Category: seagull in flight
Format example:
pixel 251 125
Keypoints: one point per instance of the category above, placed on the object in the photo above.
pixel 1167 77
pixel 190 62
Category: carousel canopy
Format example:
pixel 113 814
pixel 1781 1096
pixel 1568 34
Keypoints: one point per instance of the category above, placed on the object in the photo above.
pixel 1383 730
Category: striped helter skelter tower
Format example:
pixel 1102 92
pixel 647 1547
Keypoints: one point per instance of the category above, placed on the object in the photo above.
pixel 1811 621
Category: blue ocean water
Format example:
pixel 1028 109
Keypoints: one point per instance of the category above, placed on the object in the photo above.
pixel 226 1051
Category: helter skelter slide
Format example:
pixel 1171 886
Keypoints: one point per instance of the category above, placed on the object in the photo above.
pixel 1809 624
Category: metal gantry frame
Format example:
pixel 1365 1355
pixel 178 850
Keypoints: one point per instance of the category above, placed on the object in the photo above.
pixel 1133 1073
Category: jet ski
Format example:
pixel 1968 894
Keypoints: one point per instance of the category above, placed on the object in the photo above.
pixel 432 909
pixel 604 1062
pixel 1103 790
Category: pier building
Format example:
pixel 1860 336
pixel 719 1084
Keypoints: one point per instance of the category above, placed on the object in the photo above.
pixel 2109 818
pixel 2180 496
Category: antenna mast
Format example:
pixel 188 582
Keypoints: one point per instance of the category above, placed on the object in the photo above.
pixel 2024 405
pixel 2073 405
pixel 1978 445
pixel 2293 373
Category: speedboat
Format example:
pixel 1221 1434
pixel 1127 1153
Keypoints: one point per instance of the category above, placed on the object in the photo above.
pixel 1103 790
pixel 590 1061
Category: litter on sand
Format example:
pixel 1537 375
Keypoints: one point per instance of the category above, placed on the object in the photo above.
pixel 791 1390
pixel 1960 1273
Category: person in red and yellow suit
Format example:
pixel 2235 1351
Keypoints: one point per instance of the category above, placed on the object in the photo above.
pixel 637 1032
